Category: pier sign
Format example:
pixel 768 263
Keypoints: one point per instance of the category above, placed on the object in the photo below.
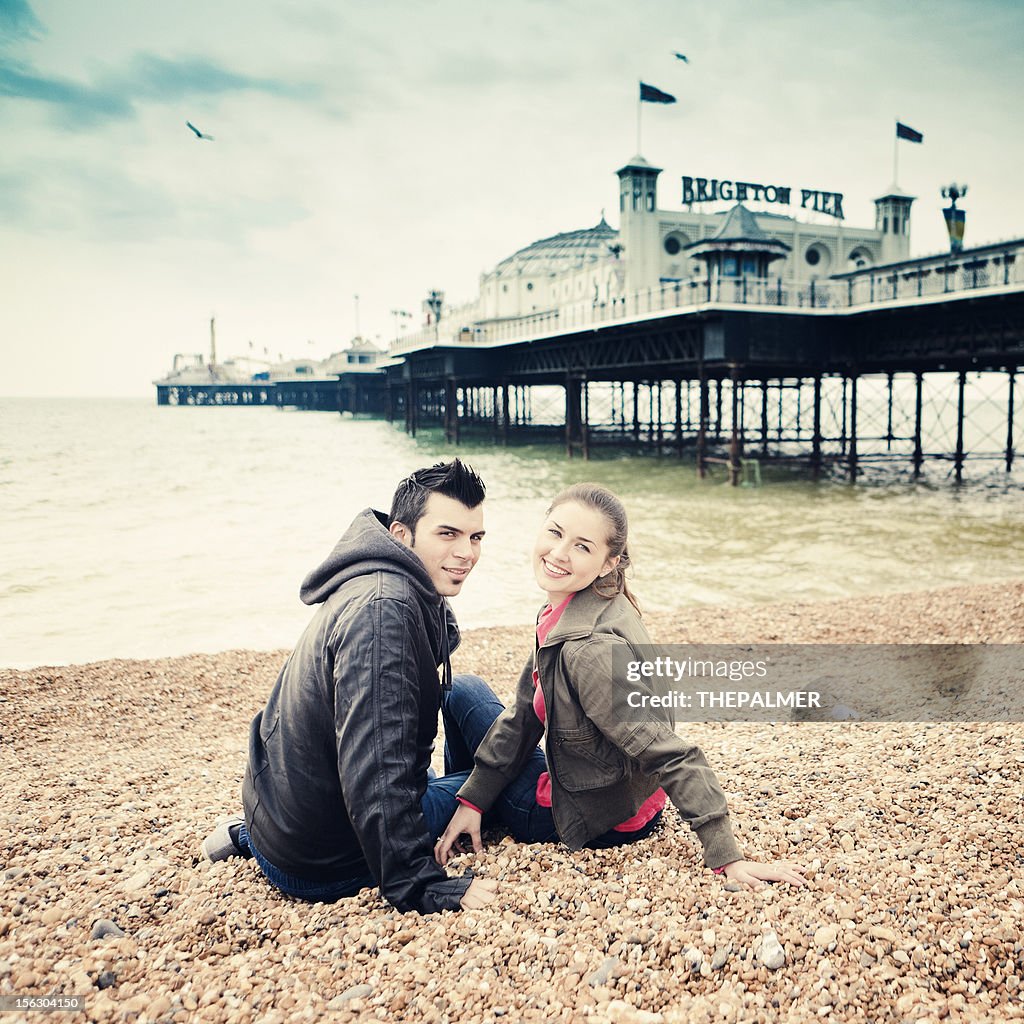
pixel 709 190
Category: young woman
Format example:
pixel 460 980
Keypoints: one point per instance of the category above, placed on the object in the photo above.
pixel 603 777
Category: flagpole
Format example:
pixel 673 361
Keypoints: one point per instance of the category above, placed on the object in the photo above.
pixel 896 156
pixel 639 108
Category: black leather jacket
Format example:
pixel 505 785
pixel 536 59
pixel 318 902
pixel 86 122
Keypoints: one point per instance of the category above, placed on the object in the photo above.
pixel 338 758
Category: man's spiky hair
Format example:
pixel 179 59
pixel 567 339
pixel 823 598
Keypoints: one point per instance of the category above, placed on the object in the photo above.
pixel 454 480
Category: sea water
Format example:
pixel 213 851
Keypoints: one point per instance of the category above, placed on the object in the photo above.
pixel 132 530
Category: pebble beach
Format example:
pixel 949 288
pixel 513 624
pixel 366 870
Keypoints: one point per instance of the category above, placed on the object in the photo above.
pixel 909 835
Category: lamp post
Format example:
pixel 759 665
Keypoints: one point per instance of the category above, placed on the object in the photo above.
pixel 955 219
pixel 434 303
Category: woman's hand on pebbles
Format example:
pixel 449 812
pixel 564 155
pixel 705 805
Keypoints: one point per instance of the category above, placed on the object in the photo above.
pixel 481 891
pixel 465 821
pixel 754 875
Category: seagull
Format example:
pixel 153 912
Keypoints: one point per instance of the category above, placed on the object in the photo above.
pixel 199 134
pixel 681 56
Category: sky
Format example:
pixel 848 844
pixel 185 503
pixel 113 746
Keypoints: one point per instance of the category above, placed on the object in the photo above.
pixel 384 149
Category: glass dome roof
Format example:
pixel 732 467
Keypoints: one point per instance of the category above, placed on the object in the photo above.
pixel 564 250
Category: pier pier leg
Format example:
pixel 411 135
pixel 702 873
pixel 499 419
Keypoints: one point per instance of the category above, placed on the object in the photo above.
pixel 679 416
pixel 718 409
pixel 842 431
pixel 636 411
pixel 573 412
pixel 764 417
pixel 504 413
pixel 918 453
pixel 852 458
pixel 702 430
pixel 888 429
pixel 958 458
pixel 736 438
pixel 1011 373
pixel 816 436
pixel 585 424
pixel 451 411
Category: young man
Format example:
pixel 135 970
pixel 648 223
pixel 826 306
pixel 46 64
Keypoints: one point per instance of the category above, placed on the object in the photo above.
pixel 336 795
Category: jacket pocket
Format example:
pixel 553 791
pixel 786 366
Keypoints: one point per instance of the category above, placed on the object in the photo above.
pixel 584 759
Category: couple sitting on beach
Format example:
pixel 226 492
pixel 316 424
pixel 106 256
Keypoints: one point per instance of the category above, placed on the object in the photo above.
pixel 338 792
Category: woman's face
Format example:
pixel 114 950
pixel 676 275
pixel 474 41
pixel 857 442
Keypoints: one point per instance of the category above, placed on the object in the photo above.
pixel 571 549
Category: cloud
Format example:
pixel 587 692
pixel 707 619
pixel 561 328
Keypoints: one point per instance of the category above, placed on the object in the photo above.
pixel 149 78
pixel 17 20
pixel 81 102
pixel 154 77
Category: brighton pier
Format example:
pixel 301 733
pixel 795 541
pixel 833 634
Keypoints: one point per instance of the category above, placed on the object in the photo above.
pixel 735 338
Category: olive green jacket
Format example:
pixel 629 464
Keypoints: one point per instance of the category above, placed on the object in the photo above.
pixel 603 763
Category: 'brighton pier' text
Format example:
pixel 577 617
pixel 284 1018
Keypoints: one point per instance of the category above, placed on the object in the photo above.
pixel 709 190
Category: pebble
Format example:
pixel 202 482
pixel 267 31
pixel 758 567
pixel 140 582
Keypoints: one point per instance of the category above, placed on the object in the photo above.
pixel 137 881
pixel 603 974
pixel 355 992
pixel 720 958
pixel 104 929
pixel 771 954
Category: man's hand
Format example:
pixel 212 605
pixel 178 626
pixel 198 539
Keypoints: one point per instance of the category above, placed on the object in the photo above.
pixel 754 875
pixel 464 821
pixel 481 891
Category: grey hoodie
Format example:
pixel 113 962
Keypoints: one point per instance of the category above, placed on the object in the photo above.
pixel 338 758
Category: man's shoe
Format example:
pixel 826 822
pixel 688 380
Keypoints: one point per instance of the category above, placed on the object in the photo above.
pixel 222 842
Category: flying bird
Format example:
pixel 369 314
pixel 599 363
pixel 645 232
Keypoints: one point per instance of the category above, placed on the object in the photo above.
pixel 681 56
pixel 199 134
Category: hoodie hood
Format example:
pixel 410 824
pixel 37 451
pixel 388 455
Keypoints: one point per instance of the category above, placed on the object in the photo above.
pixel 367 547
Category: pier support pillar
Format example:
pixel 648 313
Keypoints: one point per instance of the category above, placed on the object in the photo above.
pixel 764 418
pixel 411 402
pixel 1011 372
pixel 736 438
pixel 851 460
pixel 573 413
pixel 585 424
pixel 888 429
pixel 702 430
pixel 816 436
pixel 918 452
pixel 451 410
pixel 958 458
pixel 679 416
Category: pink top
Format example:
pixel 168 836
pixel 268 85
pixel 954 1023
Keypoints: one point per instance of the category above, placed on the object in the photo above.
pixel 653 804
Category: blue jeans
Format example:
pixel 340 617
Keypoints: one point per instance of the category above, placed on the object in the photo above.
pixel 469 710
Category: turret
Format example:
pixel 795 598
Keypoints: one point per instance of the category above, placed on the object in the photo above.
pixel 638 230
pixel 892 219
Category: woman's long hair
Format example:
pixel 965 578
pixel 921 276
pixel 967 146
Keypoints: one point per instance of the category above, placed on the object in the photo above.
pixel 601 500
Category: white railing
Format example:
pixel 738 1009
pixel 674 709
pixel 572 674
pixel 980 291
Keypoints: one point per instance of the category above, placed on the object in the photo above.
pixel 938 276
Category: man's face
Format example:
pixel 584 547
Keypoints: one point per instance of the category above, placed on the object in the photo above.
pixel 447 541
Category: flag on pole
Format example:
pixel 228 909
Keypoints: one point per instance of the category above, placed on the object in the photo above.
pixel 648 94
pixel 904 131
